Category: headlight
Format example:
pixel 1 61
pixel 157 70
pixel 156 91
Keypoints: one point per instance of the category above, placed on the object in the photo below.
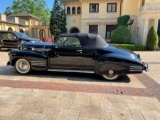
pixel 32 48
pixel 33 41
pixel 22 41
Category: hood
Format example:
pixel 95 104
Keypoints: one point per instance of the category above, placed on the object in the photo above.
pixel 37 44
pixel 31 39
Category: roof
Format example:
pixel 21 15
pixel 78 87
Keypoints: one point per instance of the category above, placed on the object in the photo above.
pixel 87 39
pixel 24 14
pixel 8 31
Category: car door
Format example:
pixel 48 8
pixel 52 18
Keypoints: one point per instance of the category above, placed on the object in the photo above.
pixel 9 40
pixel 89 58
pixel 67 54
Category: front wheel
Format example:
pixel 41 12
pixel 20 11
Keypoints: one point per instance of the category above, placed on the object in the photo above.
pixel 22 66
pixel 110 77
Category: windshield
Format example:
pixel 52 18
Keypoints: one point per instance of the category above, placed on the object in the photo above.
pixel 61 40
pixel 21 35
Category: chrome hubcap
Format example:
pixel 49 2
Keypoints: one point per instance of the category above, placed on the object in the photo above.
pixel 22 66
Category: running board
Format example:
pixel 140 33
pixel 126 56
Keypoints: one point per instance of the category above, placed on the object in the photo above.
pixel 75 71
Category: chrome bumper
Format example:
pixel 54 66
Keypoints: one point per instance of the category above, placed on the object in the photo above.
pixel 8 63
pixel 145 67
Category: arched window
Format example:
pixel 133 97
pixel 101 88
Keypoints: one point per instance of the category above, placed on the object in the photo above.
pixel 73 10
pixel 68 10
pixel 10 29
pixel 21 30
pixel 78 10
pixel 42 33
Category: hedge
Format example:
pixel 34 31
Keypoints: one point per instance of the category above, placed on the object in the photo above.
pixel 132 47
pixel 121 35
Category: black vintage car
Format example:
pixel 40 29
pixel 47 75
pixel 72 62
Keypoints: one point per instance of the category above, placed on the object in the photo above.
pixel 9 39
pixel 83 53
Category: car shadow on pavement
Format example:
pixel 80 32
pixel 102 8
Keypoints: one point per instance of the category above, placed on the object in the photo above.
pixel 83 77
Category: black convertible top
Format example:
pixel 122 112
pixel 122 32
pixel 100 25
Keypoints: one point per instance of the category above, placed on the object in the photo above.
pixel 88 40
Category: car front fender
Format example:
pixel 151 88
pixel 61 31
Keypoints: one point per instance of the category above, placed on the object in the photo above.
pixel 26 54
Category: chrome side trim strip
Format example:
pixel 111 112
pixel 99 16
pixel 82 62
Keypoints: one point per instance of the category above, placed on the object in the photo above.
pixel 135 70
pixel 38 63
pixel 76 71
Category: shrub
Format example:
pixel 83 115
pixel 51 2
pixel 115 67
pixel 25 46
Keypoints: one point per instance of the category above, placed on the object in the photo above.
pixel 152 39
pixel 123 20
pixel 121 35
pixel 132 47
pixel 159 42
pixel 47 39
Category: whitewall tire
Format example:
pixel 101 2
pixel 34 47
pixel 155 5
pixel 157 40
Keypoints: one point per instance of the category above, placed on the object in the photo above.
pixel 22 66
pixel 110 77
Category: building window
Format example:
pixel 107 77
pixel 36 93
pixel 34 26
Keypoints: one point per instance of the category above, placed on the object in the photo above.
pixel 68 10
pixel 93 29
pixel 78 10
pixel 42 33
pixel 137 31
pixel 109 31
pixel 10 29
pixel 73 10
pixel 112 7
pixel 93 7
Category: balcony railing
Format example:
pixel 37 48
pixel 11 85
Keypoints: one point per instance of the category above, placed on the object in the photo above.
pixel 11 19
pixel 22 21
pixel 149 7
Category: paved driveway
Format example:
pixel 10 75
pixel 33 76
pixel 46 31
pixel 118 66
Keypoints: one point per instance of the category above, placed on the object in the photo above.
pixel 68 96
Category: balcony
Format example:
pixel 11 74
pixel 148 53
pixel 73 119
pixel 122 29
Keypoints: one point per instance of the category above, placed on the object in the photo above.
pixel 11 19
pixel 22 21
pixel 149 7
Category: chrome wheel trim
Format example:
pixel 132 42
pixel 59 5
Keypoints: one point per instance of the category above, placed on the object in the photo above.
pixel 22 66
pixel 110 77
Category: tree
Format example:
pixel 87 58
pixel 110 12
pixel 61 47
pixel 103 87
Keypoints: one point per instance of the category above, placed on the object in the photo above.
pixel 35 7
pixel 152 39
pixel 121 35
pixel 58 19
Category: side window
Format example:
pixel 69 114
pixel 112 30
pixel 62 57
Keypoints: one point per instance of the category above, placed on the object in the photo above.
pixel 10 36
pixel 4 36
pixel 72 42
pixel 68 41
pixel 1 36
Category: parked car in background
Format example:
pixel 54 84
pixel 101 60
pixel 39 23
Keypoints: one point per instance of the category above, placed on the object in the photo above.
pixel 82 53
pixel 9 39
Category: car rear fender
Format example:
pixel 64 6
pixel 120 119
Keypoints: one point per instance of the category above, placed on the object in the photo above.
pixel 118 63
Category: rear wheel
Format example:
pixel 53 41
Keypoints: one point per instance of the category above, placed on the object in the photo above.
pixel 110 77
pixel 22 66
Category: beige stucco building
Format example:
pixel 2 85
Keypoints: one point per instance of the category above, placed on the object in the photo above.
pixel 100 16
pixel 26 23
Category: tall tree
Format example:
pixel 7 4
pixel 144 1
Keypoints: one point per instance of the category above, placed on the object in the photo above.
pixel 58 19
pixel 35 7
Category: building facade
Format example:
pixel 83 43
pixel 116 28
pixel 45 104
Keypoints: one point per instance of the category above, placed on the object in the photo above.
pixel 25 23
pixel 100 16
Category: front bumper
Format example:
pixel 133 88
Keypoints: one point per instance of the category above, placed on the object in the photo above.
pixel 8 63
pixel 145 67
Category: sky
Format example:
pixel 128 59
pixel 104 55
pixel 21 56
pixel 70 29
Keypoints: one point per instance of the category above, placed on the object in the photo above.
pixel 5 3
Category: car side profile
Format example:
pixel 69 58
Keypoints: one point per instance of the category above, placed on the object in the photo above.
pixel 10 39
pixel 78 52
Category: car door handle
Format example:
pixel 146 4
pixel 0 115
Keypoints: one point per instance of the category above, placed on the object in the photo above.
pixel 79 50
